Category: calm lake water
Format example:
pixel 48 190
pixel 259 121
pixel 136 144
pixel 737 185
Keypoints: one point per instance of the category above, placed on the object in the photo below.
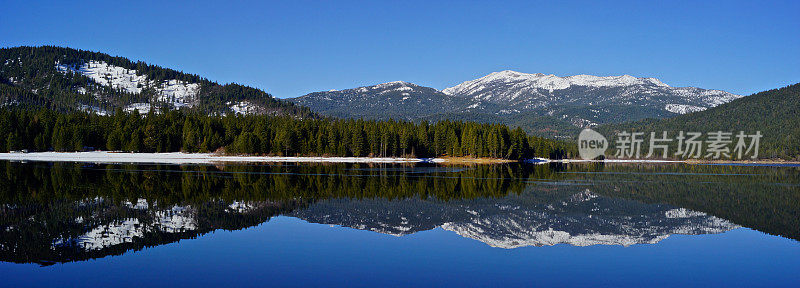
pixel 68 224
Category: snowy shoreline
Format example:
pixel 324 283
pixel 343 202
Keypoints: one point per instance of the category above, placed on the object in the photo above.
pixel 192 158
pixel 211 158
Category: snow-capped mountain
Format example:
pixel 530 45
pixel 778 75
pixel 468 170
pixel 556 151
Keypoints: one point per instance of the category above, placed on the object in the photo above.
pixel 537 102
pixel 522 83
pixel 585 99
pixel 581 219
pixel 398 100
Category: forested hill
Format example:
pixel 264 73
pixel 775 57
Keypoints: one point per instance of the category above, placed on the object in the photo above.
pixel 68 79
pixel 776 113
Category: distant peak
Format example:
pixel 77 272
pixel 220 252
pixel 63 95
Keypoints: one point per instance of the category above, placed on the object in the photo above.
pixel 553 82
pixel 656 82
pixel 513 73
pixel 392 85
pixel 395 82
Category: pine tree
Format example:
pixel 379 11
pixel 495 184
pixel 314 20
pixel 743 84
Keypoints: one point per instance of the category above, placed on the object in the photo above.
pixel 13 142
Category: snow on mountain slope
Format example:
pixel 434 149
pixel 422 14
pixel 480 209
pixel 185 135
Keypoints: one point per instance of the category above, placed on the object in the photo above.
pixel 241 107
pixel 109 76
pixel 683 108
pixel 175 92
pixel 532 91
pixel 143 108
pixel 547 82
pixel 580 100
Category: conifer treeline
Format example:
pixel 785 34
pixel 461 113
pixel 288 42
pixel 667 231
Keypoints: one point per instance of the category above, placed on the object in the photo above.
pixel 46 130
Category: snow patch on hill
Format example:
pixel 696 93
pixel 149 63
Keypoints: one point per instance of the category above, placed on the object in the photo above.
pixel 710 96
pixel 683 108
pixel 175 92
pixel 243 107
pixel 109 75
pixel 179 93
pixel 93 109
pixel 143 108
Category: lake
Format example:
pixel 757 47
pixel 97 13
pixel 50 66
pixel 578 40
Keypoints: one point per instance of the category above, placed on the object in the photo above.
pixel 72 224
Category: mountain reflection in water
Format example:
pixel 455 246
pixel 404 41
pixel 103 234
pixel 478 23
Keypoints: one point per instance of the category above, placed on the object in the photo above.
pixel 53 213
pixel 580 219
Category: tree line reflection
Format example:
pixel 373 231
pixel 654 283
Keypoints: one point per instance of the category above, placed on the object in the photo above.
pixel 61 212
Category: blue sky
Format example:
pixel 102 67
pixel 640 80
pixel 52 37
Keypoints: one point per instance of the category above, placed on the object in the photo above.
pixel 290 48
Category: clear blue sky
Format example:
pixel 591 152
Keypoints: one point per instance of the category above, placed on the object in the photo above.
pixel 290 48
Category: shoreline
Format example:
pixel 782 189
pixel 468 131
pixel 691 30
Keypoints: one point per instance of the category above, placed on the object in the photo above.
pixel 108 157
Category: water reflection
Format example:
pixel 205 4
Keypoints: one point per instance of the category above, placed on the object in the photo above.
pixel 579 219
pixel 63 212
pixel 68 231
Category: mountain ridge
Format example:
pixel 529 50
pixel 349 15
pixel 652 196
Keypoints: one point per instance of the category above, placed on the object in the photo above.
pixel 396 99
pixel 522 91
pixel 551 81
pixel 72 79
pixel 544 105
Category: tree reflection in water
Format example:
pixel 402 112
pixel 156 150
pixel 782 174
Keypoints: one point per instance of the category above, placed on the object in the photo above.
pixel 62 212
